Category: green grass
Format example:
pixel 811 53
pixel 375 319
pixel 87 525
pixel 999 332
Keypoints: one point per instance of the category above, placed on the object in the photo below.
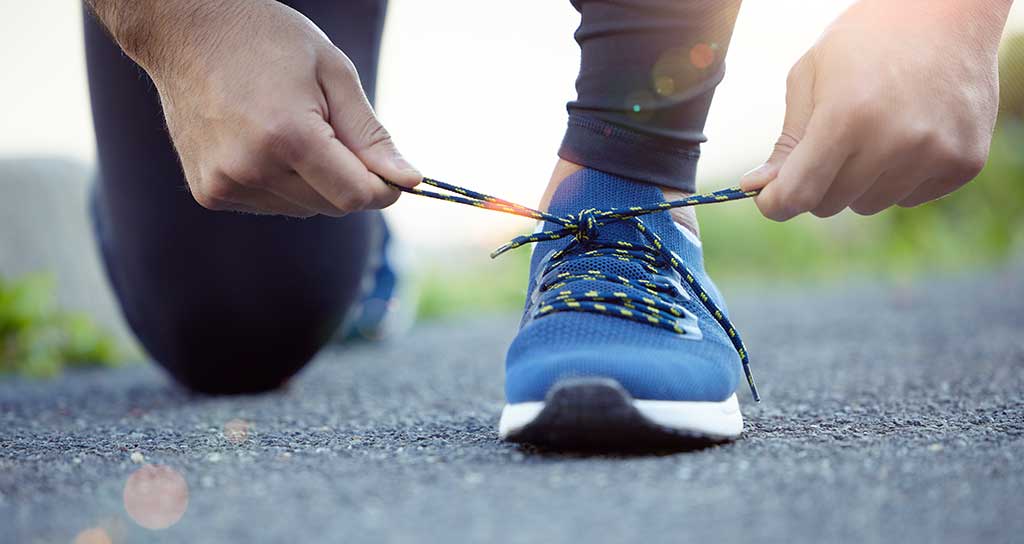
pixel 38 339
pixel 979 225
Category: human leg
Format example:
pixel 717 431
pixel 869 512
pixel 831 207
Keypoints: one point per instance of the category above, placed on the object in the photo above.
pixel 224 302
pixel 625 338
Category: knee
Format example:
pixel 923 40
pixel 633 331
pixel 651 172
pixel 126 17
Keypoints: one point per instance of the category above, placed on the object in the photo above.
pixel 235 345
pixel 242 354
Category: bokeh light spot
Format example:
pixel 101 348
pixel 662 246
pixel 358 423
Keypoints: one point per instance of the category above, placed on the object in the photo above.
pixel 702 55
pixel 236 431
pixel 94 535
pixel 638 105
pixel 664 85
pixel 156 496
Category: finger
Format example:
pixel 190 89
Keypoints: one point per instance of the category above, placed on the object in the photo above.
pixel 799 108
pixel 291 187
pixel 227 195
pixel 890 189
pixel 933 189
pixel 336 173
pixel 808 172
pixel 357 127
pixel 857 176
pixel 948 176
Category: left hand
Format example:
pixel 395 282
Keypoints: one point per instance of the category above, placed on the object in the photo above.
pixel 895 104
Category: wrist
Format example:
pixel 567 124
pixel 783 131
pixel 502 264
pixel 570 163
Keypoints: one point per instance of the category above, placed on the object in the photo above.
pixel 980 20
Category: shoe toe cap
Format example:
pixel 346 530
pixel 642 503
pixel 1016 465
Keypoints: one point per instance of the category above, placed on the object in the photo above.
pixel 649 363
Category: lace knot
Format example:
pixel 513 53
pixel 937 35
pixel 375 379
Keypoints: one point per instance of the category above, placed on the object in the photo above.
pixel 586 225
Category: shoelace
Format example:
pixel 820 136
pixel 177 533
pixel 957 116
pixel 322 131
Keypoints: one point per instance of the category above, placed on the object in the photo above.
pixel 583 226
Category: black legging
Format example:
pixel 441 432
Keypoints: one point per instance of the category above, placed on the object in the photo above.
pixel 239 303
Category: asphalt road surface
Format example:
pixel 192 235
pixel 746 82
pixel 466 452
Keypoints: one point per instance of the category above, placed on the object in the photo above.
pixel 891 414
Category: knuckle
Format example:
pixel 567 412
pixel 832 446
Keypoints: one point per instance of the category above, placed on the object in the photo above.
pixel 346 202
pixel 334 212
pixel 776 214
pixel 964 162
pixel 218 191
pixel 372 134
pixel 797 72
pixel 787 141
pixel 794 76
pixel 866 208
pixel 917 137
pixel 770 209
pixel 971 164
pixel 345 206
pixel 911 202
pixel 359 199
pixel 825 212
pixel 340 62
pixel 208 201
pixel 246 175
pixel 284 139
pixel 945 150
pixel 944 187
pixel 800 200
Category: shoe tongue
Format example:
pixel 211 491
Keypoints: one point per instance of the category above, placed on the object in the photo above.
pixel 601 191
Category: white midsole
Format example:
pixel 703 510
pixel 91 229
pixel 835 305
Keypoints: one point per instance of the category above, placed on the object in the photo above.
pixel 713 418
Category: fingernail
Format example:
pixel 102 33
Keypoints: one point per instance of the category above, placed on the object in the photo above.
pixel 757 178
pixel 760 170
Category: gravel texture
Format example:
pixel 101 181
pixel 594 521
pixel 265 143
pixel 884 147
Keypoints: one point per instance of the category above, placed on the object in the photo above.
pixel 892 413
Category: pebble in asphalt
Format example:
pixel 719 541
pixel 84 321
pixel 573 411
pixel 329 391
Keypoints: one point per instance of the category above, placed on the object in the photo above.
pixel 891 413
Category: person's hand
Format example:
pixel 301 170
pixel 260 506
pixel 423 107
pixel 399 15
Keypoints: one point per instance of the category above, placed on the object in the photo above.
pixel 895 104
pixel 267 115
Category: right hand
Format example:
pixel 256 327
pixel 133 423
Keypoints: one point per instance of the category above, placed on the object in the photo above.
pixel 267 114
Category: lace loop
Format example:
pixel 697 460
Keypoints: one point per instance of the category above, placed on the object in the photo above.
pixel 584 227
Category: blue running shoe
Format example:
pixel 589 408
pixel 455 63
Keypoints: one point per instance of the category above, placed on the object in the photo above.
pixel 616 347
pixel 387 300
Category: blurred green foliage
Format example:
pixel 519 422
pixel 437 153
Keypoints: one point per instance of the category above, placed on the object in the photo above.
pixel 980 225
pixel 1011 77
pixel 476 285
pixel 38 339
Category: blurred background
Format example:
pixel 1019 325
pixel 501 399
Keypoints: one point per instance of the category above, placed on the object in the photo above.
pixel 440 66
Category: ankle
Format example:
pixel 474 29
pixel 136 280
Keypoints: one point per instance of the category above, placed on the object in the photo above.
pixel 684 217
pixel 563 169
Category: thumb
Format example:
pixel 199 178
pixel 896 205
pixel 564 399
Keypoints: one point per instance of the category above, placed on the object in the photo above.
pixel 357 126
pixel 799 107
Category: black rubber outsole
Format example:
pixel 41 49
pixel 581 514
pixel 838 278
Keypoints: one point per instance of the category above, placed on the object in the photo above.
pixel 598 414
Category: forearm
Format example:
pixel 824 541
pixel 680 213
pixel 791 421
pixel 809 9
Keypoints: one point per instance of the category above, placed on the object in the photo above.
pixel 159 34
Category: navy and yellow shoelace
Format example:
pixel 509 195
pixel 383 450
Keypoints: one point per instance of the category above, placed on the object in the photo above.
pixel 583 226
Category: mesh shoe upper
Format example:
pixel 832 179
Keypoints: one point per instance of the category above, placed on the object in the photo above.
pixel 650 362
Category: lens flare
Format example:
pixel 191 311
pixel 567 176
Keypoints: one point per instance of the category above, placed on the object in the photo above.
pixel 156 496
pixel 702 55
pixel 638 105
pixel 94 535
pixel 236 431
pixel 664 85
